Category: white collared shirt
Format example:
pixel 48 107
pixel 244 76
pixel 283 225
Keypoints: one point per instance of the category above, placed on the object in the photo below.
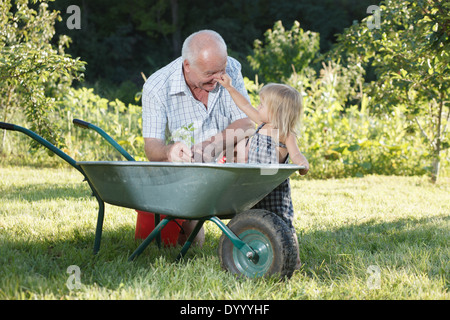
pixel 168 102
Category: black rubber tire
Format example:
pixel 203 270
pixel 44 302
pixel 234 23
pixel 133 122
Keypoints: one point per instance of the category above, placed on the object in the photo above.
pixel 273 236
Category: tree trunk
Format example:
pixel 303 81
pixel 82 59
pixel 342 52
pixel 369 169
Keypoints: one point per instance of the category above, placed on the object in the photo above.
pixel 435 169
pixel 437 145
pixel 2 147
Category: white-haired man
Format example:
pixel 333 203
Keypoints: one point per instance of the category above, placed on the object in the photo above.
pixel 184 97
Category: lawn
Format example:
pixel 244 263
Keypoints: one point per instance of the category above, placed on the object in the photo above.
pixel 375 237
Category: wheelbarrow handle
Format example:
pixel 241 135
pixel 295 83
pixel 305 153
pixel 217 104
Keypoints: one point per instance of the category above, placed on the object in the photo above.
pixel 7 126
pixel 118 147
pixel 81 123
pixel 42 141
pixel 73 163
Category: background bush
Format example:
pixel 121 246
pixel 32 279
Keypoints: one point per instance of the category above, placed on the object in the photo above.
pixel 123 123
pixel 344 132
pixel 337 143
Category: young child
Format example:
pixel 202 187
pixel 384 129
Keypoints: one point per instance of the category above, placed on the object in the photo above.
pixel 275 140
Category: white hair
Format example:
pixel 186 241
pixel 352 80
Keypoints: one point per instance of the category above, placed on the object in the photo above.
pixel 189 51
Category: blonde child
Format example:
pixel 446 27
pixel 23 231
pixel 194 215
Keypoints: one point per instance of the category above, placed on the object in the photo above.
pixel 275 140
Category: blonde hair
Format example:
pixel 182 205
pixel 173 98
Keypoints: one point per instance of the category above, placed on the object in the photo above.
pixel 285 107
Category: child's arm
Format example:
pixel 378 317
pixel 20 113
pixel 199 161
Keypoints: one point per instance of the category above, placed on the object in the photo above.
pixel 296 156
pixel 239 99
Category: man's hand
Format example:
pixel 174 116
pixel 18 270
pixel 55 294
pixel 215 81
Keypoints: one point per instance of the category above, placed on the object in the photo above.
pixel 204 152
pixel 179 152
pixel 156 150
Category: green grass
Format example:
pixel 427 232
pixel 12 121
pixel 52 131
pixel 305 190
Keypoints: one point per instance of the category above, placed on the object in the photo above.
pixel 399 225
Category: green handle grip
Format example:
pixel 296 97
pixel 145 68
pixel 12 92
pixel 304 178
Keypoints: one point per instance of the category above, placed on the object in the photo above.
pixel 81 123
pixel 7 126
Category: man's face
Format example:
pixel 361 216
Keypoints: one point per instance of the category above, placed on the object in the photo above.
pixel 205 71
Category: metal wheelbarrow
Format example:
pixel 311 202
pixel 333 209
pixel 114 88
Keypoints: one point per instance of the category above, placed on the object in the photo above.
pixel 255 243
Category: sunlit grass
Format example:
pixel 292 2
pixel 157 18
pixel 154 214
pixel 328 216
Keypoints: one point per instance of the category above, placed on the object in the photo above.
pixel 400 225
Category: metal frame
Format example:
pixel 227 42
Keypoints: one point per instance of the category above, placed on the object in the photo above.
pixel 237 242
pixel 156 233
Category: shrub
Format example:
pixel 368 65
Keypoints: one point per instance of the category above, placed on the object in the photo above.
pixel 341 140
pixel 34 73
pixel 283 50
pixel 123 123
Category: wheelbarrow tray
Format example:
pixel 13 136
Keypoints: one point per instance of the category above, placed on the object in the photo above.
pixel 185 190
pixel 190 191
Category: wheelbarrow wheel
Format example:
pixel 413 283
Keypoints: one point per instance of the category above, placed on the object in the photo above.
pixel 269 236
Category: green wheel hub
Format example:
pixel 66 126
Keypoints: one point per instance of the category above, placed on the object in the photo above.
pixel 258 243
pixel 261 245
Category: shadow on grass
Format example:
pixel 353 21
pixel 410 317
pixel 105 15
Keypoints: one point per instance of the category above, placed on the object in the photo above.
pixel 326 254
pixel 45 261
pixel 45 257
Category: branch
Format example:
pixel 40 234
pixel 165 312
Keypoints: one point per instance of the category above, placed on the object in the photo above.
pixel 424 133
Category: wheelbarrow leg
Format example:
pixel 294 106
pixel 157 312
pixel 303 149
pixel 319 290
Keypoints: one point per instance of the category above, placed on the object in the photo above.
pixel 158 237
pixel 149 239
pixel 99 229
pixel 191 238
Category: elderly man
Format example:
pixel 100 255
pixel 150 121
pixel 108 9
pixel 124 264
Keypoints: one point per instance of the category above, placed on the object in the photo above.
pixel 184 98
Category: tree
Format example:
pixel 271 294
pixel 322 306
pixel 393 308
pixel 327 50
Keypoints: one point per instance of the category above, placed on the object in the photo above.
pixel 283 51
pixel 410 52
pixel 34 74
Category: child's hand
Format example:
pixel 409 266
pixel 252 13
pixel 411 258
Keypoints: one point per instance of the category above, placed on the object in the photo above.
pixel 300 160
pixel 225 81
pixel 304 171
pixel 304 163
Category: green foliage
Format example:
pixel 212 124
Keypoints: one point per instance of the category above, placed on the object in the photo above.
pixel 341 137
pixel 153 20
pixel 123 123
pixel 341 141
pixel 410 54
pixel 253 88
pixel 120 39
pixel 349 128
pixel 284 52
pixel 356 143
pixel 34 73
pixel 405 112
